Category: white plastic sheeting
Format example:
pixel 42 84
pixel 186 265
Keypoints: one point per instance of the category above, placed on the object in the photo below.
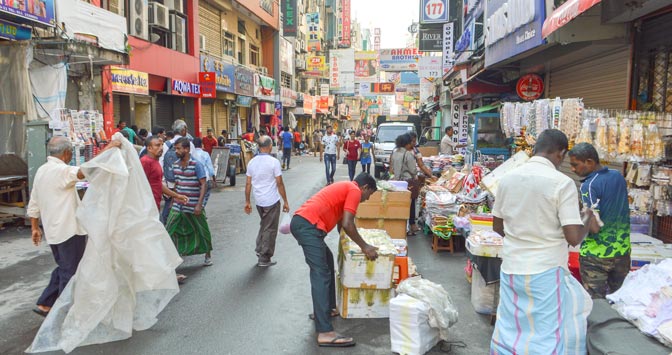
pixel 410 332
pixel 80 17
pixel 442 312
pixel 49 84
pixel 127 274
pixel 15 96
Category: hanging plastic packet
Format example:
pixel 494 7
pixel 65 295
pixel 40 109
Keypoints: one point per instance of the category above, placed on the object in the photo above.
pixel 612 139
pixel 637 142
pixel 557 111
pixel 625 128
pixel 601 142
pixel 585 136
pixel 654 147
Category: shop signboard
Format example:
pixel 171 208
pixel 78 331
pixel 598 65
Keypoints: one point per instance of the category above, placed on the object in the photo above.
pixel 512 27
pixel 314 37
pixel 366 66
pixel 465 44
pixel 185 88
pixel 264 87
pixel 278 111
pixel 244 81
pixel 460 122
pixel 429 67
pixel 383 88
pixel 409 78
pixel 530 87
pixel 288 97
pixel 344 42
pixel 342 71
pixel 208 86
pixel 244 101
pixel 35 12
pixel 286 56
pixel 322 104
pixel 316 65
pixel 426 89
pixel 434 11
pixel 399 59
pixel 12 31
pixel 224 72
pixel 289 16
pixel 431 38
pixel 129 81
pixel 308 101
pixel 448 54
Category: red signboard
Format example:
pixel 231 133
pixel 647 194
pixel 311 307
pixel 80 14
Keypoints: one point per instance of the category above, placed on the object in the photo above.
pixel 208 82
pixel 323 104
pixel 345 20
pixel 565 13
pixel 382 88
pixel 530 87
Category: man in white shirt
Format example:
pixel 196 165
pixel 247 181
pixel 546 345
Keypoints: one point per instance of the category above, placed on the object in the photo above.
pixel 54 200
pixel 330 143
pixel 448 146
pixel 203 157
pixel 264 176
pixel 541 309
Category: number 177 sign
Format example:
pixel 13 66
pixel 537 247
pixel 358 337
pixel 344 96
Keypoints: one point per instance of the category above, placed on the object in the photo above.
pixel 433 11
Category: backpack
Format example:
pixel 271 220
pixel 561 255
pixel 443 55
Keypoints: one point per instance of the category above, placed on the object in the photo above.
pixel 168 160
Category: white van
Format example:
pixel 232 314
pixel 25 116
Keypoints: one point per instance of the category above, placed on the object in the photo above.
pixel 383 144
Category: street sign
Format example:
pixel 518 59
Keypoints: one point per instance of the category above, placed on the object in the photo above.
pixel 434 11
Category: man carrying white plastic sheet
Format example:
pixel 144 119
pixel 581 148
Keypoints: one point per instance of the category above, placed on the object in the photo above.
pixel 127 274
pixel 542 308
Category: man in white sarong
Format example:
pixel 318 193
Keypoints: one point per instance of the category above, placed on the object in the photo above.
pixel 127 274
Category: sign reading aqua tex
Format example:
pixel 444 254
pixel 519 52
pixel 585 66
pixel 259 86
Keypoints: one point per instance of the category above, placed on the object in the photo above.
pixel 13 31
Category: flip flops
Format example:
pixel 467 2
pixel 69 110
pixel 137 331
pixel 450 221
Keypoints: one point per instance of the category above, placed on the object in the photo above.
pixel 41 312
pixel 334 343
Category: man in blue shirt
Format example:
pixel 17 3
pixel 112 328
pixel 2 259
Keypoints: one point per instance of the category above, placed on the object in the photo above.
pixel 605 253
pixel 287 139
pixel 203 157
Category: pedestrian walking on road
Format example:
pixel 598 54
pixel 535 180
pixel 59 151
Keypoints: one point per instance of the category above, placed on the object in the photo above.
pixel 333 205
pixel 187 223
pixel 330 144
pixel 203 157
pixel 367 156
pixel 287 140
pixel 264 177
pixel 542 307
pixel 605 253
pixel 54 201
pixel 352 149
pixel 317 143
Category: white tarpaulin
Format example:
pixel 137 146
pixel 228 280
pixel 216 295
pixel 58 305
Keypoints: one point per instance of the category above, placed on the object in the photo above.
pixel 127 274
pixel 82 18
pixel 49 84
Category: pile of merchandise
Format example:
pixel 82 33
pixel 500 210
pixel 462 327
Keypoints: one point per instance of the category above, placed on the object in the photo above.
pixel 83 128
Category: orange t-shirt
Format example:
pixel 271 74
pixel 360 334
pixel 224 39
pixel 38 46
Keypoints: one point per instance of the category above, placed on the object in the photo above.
pixel 325 208
pixel 297 137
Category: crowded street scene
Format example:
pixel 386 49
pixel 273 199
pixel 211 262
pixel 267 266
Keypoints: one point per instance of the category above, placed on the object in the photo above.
pixel 336 177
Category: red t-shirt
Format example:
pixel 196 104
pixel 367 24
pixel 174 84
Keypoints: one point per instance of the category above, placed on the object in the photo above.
pixel 249 137
pixel 297 137
pixel 326 208
pixel 208 143
pixel 154 175
pixel 352 146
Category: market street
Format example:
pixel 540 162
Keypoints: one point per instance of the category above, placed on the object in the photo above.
pixel 235 307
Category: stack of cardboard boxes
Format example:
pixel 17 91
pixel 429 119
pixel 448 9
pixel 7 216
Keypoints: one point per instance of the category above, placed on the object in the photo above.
pixel 387 210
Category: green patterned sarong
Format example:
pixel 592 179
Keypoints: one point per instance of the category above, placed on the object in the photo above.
pixel 190 233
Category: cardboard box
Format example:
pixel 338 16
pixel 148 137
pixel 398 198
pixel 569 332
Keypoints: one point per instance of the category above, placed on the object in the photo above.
pixel 386 204
pixel 358 272
pixel 363 303
pixel 428 151
pixel 396 228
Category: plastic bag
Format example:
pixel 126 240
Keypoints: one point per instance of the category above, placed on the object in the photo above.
pixel 442 313
pixel 285 222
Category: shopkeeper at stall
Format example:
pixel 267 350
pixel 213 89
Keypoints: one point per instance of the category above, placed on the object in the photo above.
pixel 605 254
pixel 541 306
pixel 448 146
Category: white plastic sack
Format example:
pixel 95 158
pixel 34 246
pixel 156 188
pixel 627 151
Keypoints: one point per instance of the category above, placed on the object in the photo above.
pixel 410 332
pixel 127 274
pixel 285 223
pixel 482 295
pixel 442 313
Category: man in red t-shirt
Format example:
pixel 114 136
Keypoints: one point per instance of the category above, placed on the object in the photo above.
pixel 335 205
pixel 249 136
pixel 297 141
pixel 209 141
pixel 352 149
pixel 154 173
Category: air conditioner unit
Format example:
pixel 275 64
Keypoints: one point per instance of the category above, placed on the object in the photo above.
pixel 137 11
pixel 175 5
pixel 158 15
pixel 300 63
pixel 201 42
pixel 178 28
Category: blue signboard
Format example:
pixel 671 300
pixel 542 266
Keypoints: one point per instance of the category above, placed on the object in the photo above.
pixel 225 72
pixel 244 81
pixel 37 11
pixel 244 101
pixel 434 11
pixel 13 31
pixel 409 78
pixel 512 29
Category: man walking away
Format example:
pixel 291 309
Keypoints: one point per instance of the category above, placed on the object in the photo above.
pixel 352 149
pixel 187 223
pixel 203 157
pixel 334 205
pixel 54 201
pixel 330 144
pixel 317 143
pixel 542 307
pixel 297 141
pixel 367 156
pixel 605 254
pixel 287 139
pixel 265 177
pixel 209 141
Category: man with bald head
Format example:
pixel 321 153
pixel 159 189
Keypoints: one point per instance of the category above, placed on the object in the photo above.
pixel 54 201
pixel 264 175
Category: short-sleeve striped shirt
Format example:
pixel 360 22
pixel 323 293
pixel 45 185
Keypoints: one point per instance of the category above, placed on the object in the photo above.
pixel 187 183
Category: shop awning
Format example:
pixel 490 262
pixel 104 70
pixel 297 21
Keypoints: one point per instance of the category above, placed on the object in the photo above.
pixel 566 13
pixel 485 108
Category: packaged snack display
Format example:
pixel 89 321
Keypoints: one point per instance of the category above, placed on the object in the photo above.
pixel 601 140
pixel 585 136
pixel 624 138
pixel 637 142
pixel 654 148
pixel 612 138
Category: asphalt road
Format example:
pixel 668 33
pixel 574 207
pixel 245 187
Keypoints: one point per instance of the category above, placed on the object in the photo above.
pixel 235 307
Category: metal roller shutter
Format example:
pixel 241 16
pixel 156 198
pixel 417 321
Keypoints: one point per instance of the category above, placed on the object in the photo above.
pixel 206 118
pixel 116 103
pixel 601 81
pixel 210 26
pixel 221 116
pixel 164 112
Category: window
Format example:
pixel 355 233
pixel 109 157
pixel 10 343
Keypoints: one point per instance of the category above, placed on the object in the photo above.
pixel 254 55
pixel 241 27
pixel 241 51
pixel 228 44
pixel 285 80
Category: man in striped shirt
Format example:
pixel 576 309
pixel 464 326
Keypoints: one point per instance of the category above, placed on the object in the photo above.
pixel 187 223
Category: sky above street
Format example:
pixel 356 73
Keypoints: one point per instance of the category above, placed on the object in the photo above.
pixel 392 16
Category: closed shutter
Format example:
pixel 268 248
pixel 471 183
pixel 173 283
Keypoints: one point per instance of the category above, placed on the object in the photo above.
pixel 601 81
pixel 221 116
pixel 116 103
pixel 164 112
pixel 206 118
pixel 210 26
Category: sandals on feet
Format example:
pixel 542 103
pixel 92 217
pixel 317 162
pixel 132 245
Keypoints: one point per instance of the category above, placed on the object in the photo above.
pixel 335 343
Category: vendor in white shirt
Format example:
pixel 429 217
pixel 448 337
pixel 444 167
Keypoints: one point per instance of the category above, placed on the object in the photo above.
pixel 54 201
pixel 448 146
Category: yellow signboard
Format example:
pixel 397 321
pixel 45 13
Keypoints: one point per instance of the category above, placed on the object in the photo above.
pixel 130 81
pixel 316 65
